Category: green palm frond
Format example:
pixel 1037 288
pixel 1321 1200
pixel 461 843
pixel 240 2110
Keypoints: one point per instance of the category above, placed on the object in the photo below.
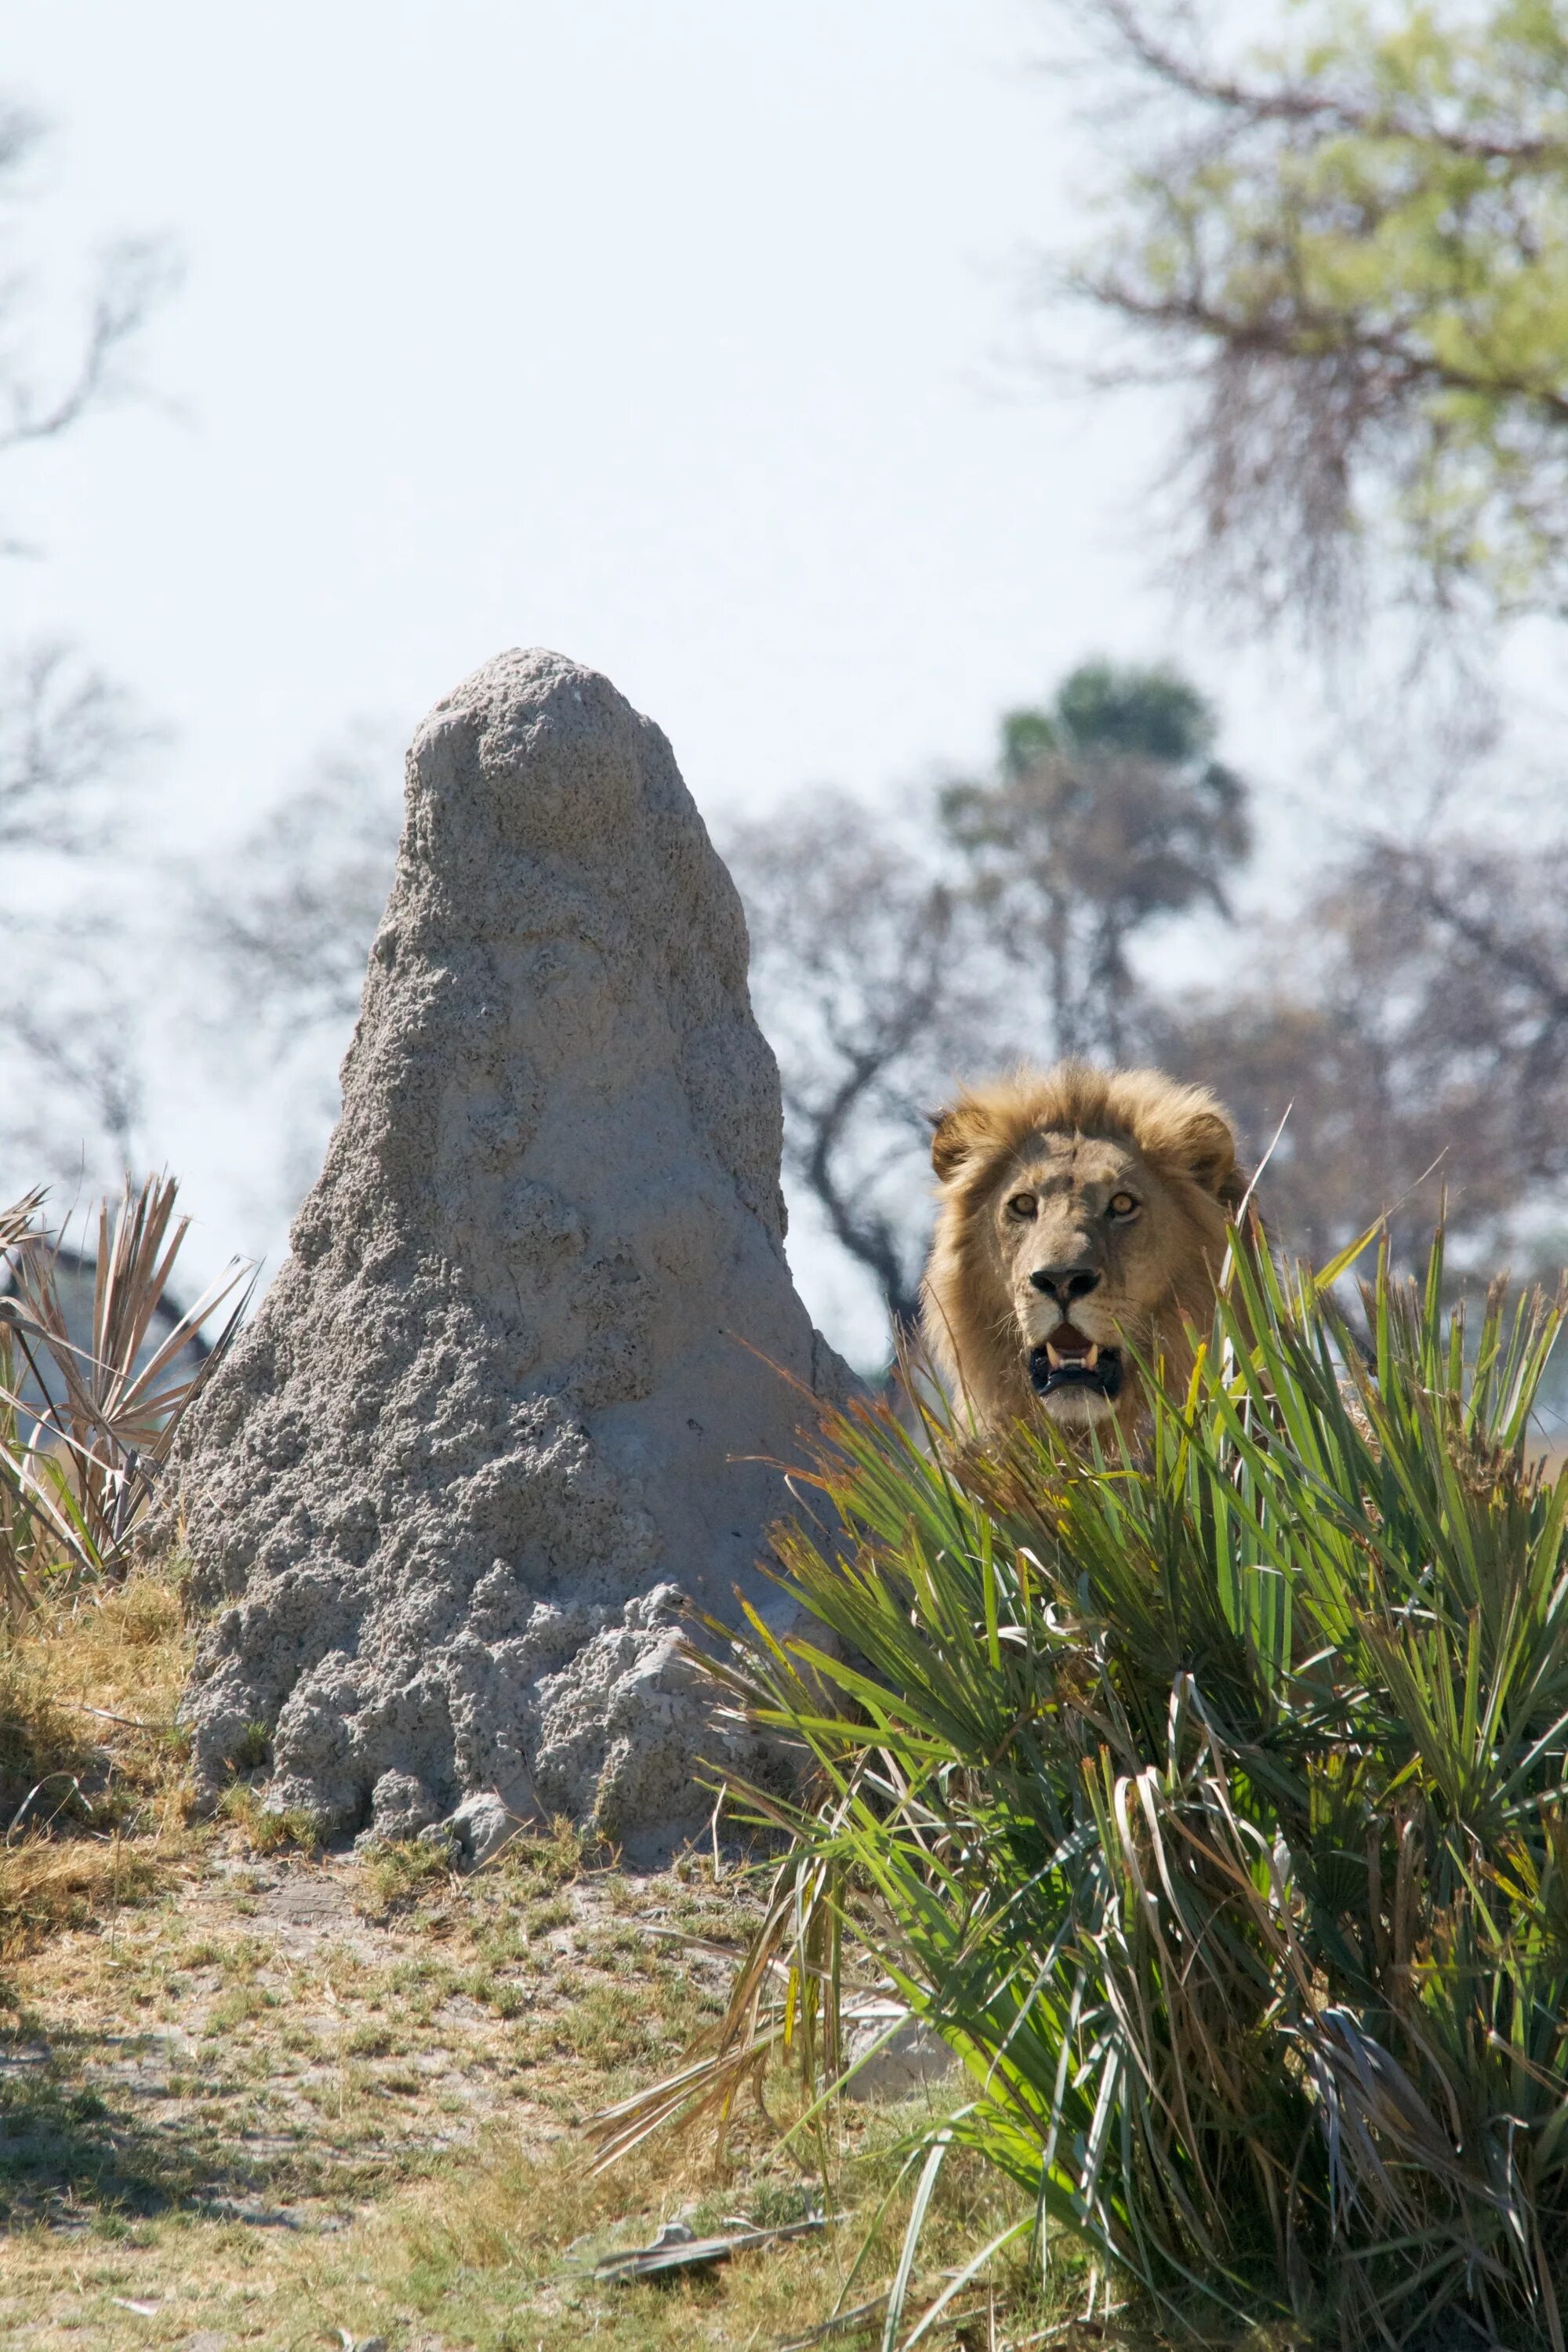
pixel 1209 1799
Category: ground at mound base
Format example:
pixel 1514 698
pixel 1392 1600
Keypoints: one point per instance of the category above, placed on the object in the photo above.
pixel 251 2099
pixel 290 2098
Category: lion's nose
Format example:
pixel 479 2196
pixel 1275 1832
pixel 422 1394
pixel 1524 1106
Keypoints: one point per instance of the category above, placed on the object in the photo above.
pixel 1065 1283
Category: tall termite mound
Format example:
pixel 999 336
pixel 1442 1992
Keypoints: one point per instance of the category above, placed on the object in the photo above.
pixel 520 1387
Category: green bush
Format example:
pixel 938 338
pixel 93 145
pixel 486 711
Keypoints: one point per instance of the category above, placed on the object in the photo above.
pixel 1210 1802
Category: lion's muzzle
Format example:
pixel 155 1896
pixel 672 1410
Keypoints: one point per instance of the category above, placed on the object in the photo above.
pixel 1070 1364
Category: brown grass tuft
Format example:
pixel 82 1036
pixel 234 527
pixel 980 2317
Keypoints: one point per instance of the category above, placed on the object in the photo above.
pixel 92 1783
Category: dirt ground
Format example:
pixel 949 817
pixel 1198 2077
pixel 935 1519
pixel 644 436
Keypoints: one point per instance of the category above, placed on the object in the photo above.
pixel 205 2094
pixel 293 2102
pixel 254 2097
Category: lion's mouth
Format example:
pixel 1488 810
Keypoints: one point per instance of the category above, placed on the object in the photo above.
pixel 1068 1362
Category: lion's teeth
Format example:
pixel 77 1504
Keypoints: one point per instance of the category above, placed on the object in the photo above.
pixel 1051 1356
pixel 1093 1356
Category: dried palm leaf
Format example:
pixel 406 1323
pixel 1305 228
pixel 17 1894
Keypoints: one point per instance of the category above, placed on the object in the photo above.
pixel 105 1408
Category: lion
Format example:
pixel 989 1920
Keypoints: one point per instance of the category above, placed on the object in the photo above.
pixel 1081 1224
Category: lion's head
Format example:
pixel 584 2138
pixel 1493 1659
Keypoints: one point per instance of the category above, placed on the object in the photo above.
pixel 1081 1220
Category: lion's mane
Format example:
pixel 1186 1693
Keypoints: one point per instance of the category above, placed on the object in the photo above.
pixel 1185 1140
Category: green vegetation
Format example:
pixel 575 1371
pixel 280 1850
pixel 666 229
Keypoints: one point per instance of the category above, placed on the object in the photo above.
pixel 1357 242
pixel 92 1775
pixel 1210 1804
pixel 1106 815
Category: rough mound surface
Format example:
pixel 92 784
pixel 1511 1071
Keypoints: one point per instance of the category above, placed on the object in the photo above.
pixel 499 1411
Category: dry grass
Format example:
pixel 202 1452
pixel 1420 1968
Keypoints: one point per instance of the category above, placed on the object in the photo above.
pixel 295 2096
pixel 93 1784
pixel 250 2098
pixel 110 1389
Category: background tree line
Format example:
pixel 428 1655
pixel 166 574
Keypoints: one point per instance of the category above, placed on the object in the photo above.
pixel 72 739
pixel 1402 1009
pixel 1347 253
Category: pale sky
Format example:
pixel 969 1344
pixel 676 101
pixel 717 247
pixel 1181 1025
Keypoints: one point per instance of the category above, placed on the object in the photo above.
pixel 680 335
pixel 672 334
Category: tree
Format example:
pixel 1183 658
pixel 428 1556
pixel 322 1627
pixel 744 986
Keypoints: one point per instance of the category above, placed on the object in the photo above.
pixel 291 939
pixel 1107 815
pixel 287 932
pixel 66 733
pixel 1419 1031
pixel 871 993
pixel 883 963
pixel 131 279
pixel 69 741
pixel 68 738
pixel 1353 250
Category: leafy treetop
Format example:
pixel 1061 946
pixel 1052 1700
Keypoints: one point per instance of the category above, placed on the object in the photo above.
pixel 1354 245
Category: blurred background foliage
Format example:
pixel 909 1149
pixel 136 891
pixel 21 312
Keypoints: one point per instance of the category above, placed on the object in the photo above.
pixel 1351 244
pixel 1344 250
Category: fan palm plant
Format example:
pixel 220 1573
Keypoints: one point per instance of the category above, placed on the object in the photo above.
pixel 86 1419
pixel 1210 1802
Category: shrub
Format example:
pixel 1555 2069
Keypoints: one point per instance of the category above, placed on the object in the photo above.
pixel 1210 1803
pixel 87 1418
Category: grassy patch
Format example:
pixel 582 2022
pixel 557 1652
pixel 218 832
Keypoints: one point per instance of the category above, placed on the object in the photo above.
pixel 395 1875
pixel 267 1830
pixel 264 2095
pixel 92 1779
pixel 371 2121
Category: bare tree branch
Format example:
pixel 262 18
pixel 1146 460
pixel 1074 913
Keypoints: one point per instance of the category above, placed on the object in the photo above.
pixel 1419 1021
pixel 289 930
pixel 86 1082
pixel 66 736
pixel 133 277
pixel 1284 101
pixel 866 978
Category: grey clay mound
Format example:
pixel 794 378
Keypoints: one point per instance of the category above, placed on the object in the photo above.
pixel 501 1409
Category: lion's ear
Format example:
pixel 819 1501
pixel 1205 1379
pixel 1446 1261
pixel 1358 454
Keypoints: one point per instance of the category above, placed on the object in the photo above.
pixel 1207 1151
pixel 952 1139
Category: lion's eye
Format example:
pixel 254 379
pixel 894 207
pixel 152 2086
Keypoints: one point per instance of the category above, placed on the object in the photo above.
pixel 1121 1204
pixel 1022 1204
